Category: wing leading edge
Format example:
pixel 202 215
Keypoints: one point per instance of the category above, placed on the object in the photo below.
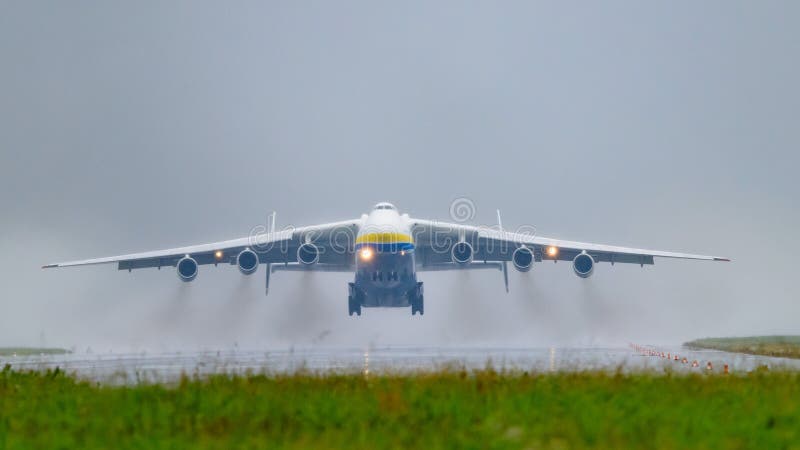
pixel 491 244
pixel 274 247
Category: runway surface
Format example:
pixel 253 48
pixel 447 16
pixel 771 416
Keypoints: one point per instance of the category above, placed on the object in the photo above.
pixel 167 367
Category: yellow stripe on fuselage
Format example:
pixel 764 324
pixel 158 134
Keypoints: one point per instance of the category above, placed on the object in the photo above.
pixel 384 238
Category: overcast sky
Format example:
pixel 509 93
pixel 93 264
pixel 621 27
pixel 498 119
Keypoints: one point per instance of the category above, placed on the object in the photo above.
pixel 143 125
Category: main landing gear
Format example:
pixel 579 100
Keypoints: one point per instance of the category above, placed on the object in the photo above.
pixel 354 300
pixel 417 300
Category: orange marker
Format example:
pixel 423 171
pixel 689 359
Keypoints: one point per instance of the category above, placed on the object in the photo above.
pixel 726 369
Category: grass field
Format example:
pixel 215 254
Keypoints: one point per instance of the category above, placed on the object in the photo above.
pixel 782 346
pixel 449 409
pixel 26 351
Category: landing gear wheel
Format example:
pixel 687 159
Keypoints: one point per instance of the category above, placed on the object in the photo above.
pixel 354 305
pixel 354 300
pixel 417 301
pixel 418 306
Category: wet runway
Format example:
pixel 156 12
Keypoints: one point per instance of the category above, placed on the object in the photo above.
pixel 167 367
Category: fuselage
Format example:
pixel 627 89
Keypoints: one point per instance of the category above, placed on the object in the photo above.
pixel 385 267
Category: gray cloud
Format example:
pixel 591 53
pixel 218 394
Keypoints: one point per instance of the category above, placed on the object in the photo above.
pixel 134 127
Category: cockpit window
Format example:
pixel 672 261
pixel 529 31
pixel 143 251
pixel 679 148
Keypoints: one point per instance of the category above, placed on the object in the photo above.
pixel 384 206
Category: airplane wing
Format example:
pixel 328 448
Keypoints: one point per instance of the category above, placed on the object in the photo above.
pixel 434 241
pixel 333 240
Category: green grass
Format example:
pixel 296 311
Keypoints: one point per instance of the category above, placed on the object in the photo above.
pixel 26 351
pixel 782 346
pixel 448 409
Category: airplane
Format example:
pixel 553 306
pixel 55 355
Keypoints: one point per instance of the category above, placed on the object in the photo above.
pixel 385 250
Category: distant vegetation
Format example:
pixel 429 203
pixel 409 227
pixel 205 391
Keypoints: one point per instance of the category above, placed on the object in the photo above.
pixel 781 346
pixel 447 409
pixel 27 351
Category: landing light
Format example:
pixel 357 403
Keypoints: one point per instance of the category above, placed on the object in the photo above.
pixel 552 251
pixel 366 253
pixel 218 254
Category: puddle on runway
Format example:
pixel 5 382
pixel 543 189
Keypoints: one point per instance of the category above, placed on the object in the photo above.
pixel 168 367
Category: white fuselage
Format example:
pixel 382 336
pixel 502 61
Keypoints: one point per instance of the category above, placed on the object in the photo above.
pixel 385 258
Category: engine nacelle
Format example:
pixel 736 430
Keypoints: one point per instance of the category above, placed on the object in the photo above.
pixel 462 253
pixel 583 265
pixel 523 259
pixel 308 254
pixel 187 268
pixel 247 260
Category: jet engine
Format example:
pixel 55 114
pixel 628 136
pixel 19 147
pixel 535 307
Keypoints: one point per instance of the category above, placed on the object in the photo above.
pixel 462 253
pixel 308 254
pixel 522 259
pixel 247 260
pixel 583 265
pixel 187 268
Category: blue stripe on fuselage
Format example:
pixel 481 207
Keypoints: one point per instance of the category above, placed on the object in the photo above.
pixel 388 247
